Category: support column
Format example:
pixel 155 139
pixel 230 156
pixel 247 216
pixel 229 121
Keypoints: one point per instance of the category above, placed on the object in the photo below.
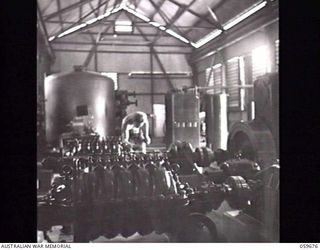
pixel 152 88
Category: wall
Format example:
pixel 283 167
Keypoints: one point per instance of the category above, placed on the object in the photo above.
pixel 261 30
pixel 118 59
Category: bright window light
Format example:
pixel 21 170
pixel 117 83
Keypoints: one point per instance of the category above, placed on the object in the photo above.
pixel 207 38
pixel 176 35
pixel 229 24
pixel 113 76
pixel 91 21
pixel 123 26
pixel 137 14
pixel 123 22
pixel 155 24
pixel 217 66
pixel 73 29
pixel 244 15
pixel 242 82
pixel 261 62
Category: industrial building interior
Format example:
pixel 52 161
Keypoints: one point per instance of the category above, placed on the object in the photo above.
pixel 204 76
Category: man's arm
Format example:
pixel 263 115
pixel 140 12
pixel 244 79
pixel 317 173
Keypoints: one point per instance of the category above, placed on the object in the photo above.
pixel 125 131
pixel 146 130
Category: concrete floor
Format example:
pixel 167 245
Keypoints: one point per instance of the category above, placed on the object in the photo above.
pixel 57 236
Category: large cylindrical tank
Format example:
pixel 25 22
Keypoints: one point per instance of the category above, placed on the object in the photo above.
pixel 182 117
pixel 75 94
pixel 266 98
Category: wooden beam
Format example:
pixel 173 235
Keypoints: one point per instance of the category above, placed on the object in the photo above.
pixel 80 12
pixel 93 50
pixel 157 9
pixel 125 52
pixel 152 85
pixel 66 9
pixel 127 44
pixel 60 15
pixel 45 32
pixel 99 3
pixel 163 15
pixel 178 14
pixel 80 21
pixel 215 8
pixel 122 35
pixel 155 55
pixel 194 13
pixel 95 10
pixel 141 24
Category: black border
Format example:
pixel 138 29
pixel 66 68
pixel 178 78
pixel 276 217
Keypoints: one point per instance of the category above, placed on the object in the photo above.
pixel 299 121
pixel 18 121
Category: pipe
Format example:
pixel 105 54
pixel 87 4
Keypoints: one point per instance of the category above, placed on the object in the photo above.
pixel 216 121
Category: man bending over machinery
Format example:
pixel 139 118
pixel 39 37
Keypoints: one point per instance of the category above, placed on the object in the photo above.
pixel 135 131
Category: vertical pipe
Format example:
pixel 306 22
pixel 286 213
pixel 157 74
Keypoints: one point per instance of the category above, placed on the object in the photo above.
pixel 220 124
pixel 216 121
pixel 225 90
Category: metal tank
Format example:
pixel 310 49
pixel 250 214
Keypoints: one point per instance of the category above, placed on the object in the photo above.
pixel 182 117
pixel 78 94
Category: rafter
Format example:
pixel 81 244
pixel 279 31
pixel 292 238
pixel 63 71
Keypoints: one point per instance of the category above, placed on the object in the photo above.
pixel 178 14
pixel 66 9
pixel 157 9
pixel 45 32
pixel 141 24
pixel 193 12
pixel 119 43
pixel 80 12
pixel 96 42
pixel 162 15
pixel 79 21
pixel 131 35
pixel 165 17
pixel 215 8
pixel 106 6
pixel 99 3
pixel 152 50
pixel 60 15
pixel 95 12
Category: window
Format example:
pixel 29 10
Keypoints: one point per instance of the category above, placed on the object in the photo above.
pixel 261 63
pixel 123 27
pixel 233 80
pixel 113 76
pixel 277 55
pixel 215 78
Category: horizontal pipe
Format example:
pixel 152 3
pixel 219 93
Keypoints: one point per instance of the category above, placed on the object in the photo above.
pixel 220 87
pixel 162 77
pixel 147 93
pixel 159 73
